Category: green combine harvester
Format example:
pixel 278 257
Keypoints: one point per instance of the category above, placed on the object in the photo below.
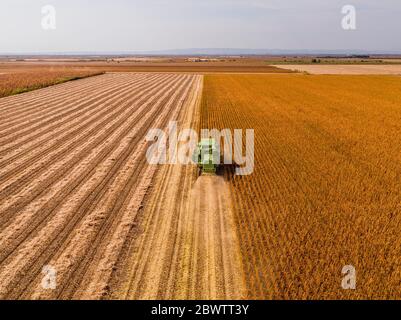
pixel 206 156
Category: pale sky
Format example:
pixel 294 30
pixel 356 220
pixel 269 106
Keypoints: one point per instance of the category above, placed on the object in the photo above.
pixel 135 25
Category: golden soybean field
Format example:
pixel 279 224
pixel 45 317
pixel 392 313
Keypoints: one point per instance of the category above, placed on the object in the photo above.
pixel 326 190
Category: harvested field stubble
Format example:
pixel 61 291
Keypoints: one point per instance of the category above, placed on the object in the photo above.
pixel 73 175
pixel 327 183
pixel 103 66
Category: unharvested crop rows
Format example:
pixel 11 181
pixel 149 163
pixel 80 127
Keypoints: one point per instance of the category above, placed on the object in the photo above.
pixel 73 174
pixel 326 188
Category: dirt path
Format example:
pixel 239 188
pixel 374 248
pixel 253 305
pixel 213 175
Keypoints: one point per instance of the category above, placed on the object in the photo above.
pixel 185 246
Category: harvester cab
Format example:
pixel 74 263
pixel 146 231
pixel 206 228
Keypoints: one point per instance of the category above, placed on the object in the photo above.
pixel 206 156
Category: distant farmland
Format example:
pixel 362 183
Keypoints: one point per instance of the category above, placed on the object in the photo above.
pixel 327 183
pixel 23 76
pixel 345 69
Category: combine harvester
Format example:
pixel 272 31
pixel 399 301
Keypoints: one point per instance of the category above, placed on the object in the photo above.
pixel 207 157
